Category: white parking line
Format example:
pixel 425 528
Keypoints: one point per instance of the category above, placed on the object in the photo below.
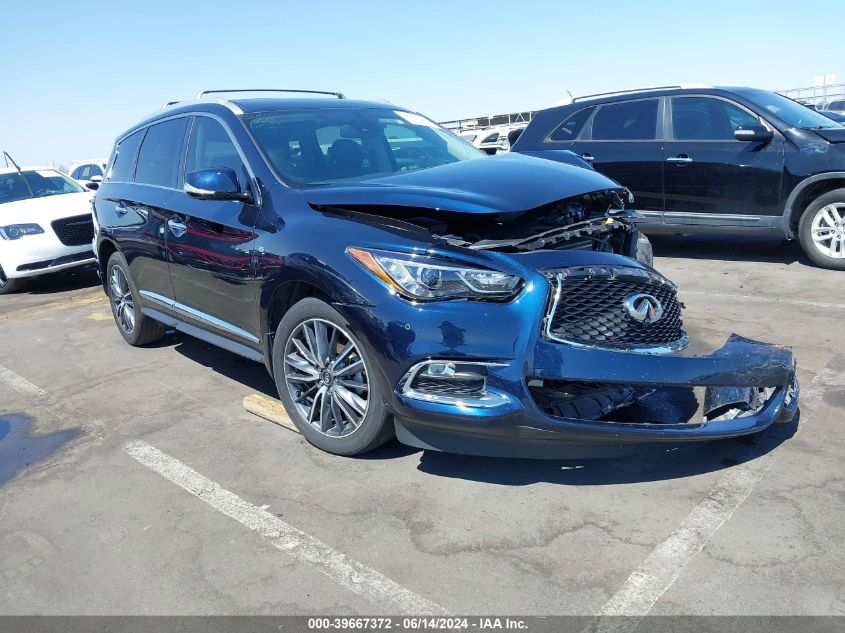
pixel 347 572
pixel 21 384
pixel 662 567
pixel 757 299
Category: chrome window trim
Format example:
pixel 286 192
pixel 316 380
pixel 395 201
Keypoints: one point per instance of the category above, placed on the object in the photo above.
pixel 197 314
pixel 192 116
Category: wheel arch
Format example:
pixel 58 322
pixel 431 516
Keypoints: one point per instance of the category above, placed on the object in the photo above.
pixel 803 195
pixel 299 284
pixel 105 250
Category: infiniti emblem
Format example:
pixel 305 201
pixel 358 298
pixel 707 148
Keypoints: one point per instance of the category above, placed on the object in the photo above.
pixel 644 308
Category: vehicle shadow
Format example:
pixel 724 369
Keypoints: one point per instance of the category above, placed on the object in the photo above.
pixel 64 281
pixel 647 464
pixel 737 248
pixel 643 465
pixel 247 372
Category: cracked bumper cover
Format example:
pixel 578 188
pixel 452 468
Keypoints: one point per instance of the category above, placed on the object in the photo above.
pixel 519 428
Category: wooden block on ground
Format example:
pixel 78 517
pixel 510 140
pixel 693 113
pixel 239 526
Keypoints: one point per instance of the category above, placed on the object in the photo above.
pixel 269 409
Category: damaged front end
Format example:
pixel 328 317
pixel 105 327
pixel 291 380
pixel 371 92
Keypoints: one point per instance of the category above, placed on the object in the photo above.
pixel 595 221
pixel 587 351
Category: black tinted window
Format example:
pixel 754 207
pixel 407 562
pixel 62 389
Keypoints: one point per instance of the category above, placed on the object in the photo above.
pixel 629 121
pixel 124 157
pixel 706 119
pixel 211 146
pixel 571 127
pixel 158 160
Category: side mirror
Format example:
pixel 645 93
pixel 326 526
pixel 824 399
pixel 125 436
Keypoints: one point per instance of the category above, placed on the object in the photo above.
pixel 216 183
pixel 759 133
pixel 92 185
pixel 96 179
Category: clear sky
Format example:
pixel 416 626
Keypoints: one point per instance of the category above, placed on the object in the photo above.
pixel 75 73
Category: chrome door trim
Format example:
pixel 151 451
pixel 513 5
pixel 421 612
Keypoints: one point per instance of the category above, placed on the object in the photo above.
pixel 197 314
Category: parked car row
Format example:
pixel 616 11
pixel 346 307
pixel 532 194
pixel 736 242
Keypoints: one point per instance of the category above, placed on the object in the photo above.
pixel 87 172
pixel 395 280
pixel 493 140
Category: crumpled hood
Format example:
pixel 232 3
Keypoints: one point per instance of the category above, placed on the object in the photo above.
pixel 501 183
pixel 44 210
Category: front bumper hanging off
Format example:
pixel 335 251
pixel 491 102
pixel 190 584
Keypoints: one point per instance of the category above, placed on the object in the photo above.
pixel 747 386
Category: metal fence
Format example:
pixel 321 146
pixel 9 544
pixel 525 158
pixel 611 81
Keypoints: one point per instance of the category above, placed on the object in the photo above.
pixel 474 123
pixel 818 96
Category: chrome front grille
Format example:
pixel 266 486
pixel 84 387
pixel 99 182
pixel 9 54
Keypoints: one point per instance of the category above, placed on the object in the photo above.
pixel 588 307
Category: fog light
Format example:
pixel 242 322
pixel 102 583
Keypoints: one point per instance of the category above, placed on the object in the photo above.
pixel 439 369
pixel 451 382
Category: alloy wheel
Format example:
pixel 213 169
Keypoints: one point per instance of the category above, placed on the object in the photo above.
pixel 828 230
pixel 326 377
pixel 121 297
pixel 3 279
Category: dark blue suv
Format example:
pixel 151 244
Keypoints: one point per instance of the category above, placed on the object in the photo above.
pixel 394 279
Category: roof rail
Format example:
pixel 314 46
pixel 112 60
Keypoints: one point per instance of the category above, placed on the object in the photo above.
pixel 636 90
pixel 339 95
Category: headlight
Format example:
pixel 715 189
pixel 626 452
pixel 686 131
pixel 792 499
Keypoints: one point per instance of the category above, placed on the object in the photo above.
pixel 423 277
pixel 17 231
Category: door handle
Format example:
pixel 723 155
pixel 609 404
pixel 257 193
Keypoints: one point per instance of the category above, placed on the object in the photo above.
pixel 120 208
pixel 588 157
pixel 680 159
pixel 177 227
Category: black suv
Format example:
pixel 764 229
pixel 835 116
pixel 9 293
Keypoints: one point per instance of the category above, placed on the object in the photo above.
pixel 734 159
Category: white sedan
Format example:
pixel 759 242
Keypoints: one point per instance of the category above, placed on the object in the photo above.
pixel 45 224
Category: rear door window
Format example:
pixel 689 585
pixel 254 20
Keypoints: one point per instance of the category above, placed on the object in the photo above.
pixel 571 127
pixel 121 169
pixel 158 160
pixel 626 121
pixel 707 119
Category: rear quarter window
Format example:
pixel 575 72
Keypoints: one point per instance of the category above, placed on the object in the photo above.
pixel 124 158
pixel 572 125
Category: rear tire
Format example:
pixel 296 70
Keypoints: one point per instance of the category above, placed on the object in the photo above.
pixel 136 328
pixel 8 286
pixel 822 230
pixel 327 381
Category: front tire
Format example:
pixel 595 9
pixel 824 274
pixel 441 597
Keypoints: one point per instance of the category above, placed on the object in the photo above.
pixel 136 328
pixel 8 286
pixel 327 381
pixel 822 230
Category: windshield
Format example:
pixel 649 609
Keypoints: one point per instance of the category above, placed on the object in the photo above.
pixel 38 183
pixel 315 147
pixel 787 110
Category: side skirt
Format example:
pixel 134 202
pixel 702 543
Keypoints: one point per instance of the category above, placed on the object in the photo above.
pixel 205 335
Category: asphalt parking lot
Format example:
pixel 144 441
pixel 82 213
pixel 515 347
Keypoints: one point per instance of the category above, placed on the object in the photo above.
pixel 219 511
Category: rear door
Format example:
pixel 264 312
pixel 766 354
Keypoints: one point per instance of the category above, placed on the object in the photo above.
pixel 621 141
pixel 712 178
pixel 138 208
pixel 210 243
